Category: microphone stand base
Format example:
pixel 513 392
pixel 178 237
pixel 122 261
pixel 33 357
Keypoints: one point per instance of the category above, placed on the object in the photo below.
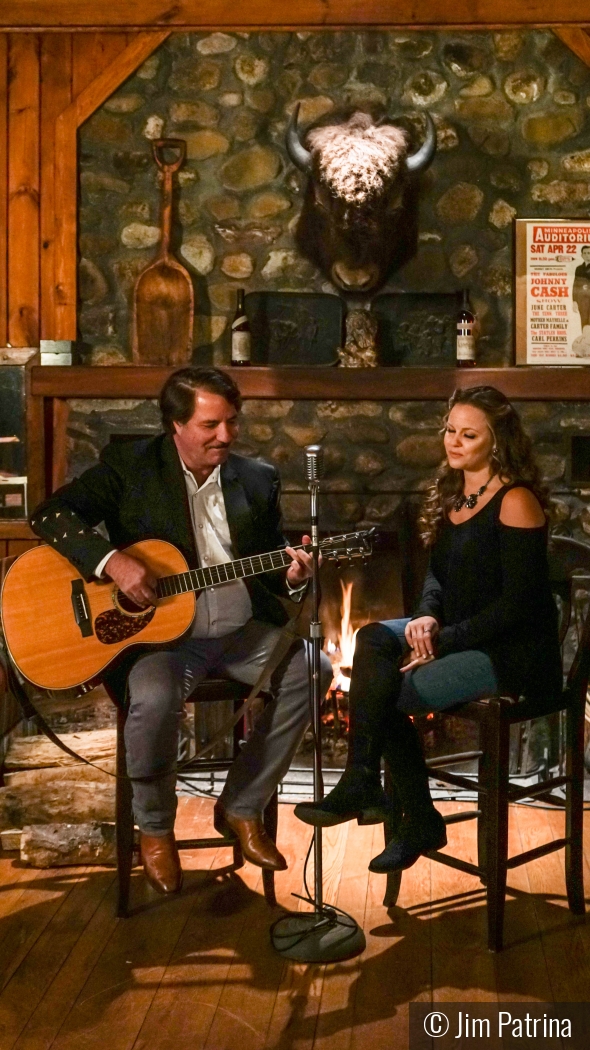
pixel 317 937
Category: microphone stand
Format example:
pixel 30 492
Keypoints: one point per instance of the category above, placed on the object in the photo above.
pixel 326 934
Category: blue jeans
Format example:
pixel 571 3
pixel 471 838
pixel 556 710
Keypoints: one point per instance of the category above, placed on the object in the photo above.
pixel 446 682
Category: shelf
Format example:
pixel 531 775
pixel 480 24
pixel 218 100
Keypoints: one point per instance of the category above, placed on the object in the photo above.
pixel 377 384
pixel 15 529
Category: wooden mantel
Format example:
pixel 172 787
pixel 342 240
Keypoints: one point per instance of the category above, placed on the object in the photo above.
pixel 51 388
pixel 324 384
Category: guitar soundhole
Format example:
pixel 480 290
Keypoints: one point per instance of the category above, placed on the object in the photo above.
pixel 127 605
pixel 112 626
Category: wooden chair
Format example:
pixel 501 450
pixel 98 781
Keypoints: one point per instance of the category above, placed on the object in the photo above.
pixel 211 690
pixel 495 716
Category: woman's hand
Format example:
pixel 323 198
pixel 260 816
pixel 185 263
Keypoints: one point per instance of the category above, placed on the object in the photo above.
pixel 411 661
pixel 421 635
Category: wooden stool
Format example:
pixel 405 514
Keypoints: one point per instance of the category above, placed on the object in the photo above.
pixel 494 717
pixel 209 691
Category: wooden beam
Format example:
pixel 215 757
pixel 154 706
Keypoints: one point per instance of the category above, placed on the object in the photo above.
pixel 577 40
pixel 3 189
pixel 250 14
pixel 97 92
pixel 66 172
pixel 36 440
pixel 323 384
pixel 56 94
pixel 92 53
pixel 23 190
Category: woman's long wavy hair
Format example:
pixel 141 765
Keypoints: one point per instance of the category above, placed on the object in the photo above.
pixel 513 459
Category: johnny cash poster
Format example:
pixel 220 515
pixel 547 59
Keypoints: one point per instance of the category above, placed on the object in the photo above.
pixel 552 292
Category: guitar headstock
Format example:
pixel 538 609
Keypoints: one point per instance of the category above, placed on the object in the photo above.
pixel 348 545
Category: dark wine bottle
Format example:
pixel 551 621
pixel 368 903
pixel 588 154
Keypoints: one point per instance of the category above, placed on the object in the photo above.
pixel 465 334
pixel 241 339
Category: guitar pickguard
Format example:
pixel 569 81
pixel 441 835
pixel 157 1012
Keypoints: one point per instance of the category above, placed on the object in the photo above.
pixel 112 626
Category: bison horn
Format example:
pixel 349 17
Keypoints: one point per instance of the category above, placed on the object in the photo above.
pixel 424 156
pixel 300 156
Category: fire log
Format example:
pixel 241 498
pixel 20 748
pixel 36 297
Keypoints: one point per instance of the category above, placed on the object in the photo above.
pixel 62 845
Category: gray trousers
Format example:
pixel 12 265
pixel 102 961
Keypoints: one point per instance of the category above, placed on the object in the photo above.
pixel 159 684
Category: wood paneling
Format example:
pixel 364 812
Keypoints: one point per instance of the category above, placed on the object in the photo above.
pixel 92 53
pixel 126 61
pixel 348 384
pixel 56 95
pixel 23 190
pixel 36 455
pixel 3 189
pixel 15 530
pixel 61 412
pixel 16 547
pixel 64 14
pixel 577 40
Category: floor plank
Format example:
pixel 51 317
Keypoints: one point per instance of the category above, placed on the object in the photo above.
pixel 521 969
pixel 396 966
pixel 49 1016
pixel 297 1002
pixel 336 1017
pixel 40 965
pixel 462 967
pixel 198 972
pixel 565 954
pixel 36 900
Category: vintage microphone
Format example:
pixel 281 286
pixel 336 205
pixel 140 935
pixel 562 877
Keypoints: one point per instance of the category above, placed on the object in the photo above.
pixel 326 934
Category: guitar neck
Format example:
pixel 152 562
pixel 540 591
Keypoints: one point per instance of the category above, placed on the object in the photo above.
pixel 213 575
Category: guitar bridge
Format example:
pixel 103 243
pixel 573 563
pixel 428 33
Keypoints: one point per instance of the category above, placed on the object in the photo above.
pixel 80 607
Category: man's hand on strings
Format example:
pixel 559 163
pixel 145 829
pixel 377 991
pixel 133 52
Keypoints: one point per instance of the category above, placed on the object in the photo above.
pixel 133 578
pixel 301 567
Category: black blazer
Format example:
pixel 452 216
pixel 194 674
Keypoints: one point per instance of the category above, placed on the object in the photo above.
pixel 138 490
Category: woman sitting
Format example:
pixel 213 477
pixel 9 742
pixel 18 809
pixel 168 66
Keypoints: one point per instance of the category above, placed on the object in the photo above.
pixel 486 623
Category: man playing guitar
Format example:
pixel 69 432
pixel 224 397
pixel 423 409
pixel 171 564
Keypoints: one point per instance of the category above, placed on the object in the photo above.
pixel 185 486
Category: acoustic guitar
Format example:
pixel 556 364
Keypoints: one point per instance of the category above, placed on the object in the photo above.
pixel 62 632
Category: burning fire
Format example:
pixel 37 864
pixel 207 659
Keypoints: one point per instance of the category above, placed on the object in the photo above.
pixel 341 652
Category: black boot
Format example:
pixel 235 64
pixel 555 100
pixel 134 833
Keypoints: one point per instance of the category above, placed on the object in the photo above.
pixel 413 839
pixel 373 690
pixel 358 795
pixel 422 827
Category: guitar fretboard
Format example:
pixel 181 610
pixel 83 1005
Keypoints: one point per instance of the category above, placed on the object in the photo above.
pixel 211 576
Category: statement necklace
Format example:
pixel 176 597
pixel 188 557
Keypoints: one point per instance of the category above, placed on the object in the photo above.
pixel 470 501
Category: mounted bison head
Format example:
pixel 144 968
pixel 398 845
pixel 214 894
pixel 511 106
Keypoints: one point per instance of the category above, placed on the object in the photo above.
pixel 358 210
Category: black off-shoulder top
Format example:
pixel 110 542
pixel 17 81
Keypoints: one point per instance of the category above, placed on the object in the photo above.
pixel 487 584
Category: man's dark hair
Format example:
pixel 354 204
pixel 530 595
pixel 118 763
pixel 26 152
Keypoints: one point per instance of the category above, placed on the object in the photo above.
pixel 177 397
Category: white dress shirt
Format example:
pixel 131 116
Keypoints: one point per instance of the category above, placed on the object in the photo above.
pixel 226 607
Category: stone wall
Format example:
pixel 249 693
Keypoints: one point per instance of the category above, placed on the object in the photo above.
pixel 377 452
pixel 513 120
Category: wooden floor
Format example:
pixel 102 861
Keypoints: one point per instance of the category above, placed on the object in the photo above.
pixel 198 971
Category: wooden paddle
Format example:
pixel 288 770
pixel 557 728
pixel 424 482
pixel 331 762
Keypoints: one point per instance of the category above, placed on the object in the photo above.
pixel 163 299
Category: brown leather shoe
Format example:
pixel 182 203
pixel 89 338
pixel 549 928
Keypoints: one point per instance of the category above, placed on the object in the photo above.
pixel 257 846
pixel 161 862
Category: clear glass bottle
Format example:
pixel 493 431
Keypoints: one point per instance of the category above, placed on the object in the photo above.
pixel 465 334
pixel 241 339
